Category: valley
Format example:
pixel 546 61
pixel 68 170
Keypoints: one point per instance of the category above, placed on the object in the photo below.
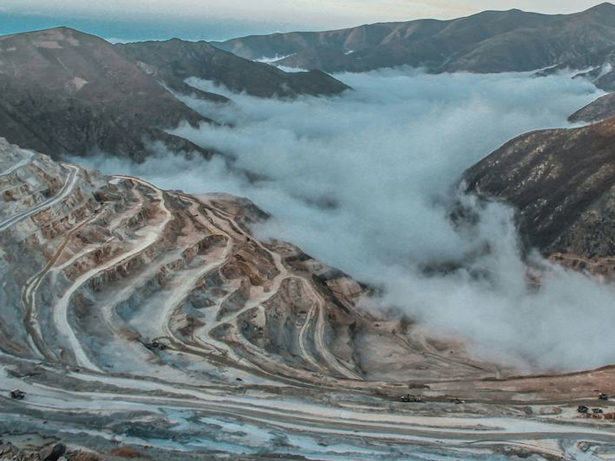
pixel 207 257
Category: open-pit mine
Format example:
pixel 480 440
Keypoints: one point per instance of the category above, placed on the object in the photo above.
pixel 143 323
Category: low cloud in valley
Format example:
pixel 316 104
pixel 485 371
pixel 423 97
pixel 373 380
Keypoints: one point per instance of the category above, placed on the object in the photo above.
pixel 366 182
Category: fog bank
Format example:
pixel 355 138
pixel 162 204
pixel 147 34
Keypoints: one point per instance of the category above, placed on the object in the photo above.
pixel 365 182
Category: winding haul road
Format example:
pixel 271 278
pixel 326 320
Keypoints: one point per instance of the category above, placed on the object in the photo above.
pixel 28 294
pixel 66 190
pixel 364 429
pixel 26 160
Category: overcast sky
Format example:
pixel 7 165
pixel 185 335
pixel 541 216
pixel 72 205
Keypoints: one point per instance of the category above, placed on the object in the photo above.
pixel 218 19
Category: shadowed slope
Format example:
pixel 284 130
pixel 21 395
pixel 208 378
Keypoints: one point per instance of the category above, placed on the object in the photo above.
pixel 601 109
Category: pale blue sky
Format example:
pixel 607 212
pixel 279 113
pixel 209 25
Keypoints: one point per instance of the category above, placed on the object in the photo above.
pixel 219 19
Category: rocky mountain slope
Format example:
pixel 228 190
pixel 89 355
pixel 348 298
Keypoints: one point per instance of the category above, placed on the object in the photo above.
pixel 563 184
pixel 174 61
pixel 492 41
pixel 143 323
pixel 64 91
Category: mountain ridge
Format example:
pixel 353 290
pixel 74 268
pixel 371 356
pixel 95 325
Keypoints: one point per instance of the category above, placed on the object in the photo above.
pixel 175 60
pixel 490 41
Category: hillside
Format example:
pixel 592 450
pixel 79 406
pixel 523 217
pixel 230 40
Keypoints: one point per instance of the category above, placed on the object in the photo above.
pixel 601 109
pixel 562 182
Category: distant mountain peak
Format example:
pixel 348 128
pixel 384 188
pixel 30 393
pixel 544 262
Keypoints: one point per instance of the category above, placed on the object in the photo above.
pixel 602 8
pixel 107 102
pixel 60 30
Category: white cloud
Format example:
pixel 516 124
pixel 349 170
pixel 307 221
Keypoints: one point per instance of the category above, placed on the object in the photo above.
pixel 365 181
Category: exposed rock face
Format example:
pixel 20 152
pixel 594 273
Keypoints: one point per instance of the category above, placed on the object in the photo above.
pixel 174 61
pixel 64 91
pixel 563 184
pixel 487 42
pixel 156 321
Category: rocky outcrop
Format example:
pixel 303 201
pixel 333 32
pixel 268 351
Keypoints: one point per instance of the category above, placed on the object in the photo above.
pixel 492 41
pixel 174 61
